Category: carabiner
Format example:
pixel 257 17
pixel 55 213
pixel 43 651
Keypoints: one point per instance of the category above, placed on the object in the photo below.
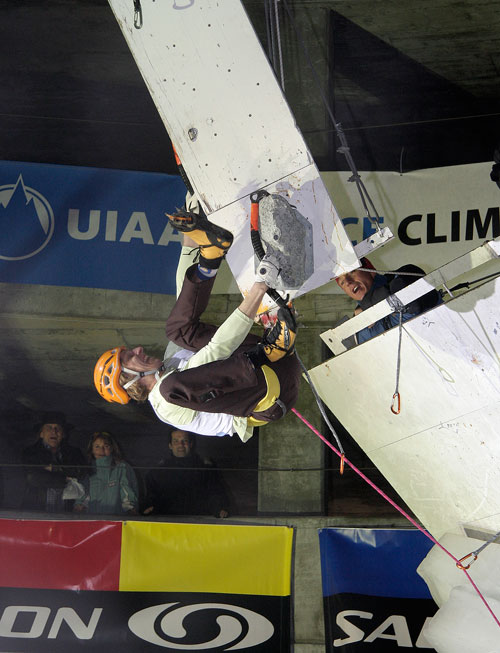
pixel 342 459
pixel 137 14
pixel 396 396
pixel 461 566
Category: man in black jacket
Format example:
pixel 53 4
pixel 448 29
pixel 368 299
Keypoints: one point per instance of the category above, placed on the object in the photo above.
pixel 49 464
pixel 186 484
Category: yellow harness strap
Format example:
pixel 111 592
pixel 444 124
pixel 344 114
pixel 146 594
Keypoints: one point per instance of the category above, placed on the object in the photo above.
pixel 273 393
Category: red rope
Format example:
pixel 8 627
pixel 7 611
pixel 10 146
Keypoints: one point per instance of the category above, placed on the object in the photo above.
pixel 398 508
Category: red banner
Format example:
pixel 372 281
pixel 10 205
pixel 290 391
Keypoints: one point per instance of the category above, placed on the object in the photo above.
pixel 72 555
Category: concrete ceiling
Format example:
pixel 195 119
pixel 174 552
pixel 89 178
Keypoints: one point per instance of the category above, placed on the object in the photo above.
pixel 414 85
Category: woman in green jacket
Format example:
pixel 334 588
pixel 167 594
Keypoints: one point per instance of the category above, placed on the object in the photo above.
pixel 111 485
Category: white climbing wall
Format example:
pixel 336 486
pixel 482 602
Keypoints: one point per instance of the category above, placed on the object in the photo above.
pixel 442 452
pixel 231 125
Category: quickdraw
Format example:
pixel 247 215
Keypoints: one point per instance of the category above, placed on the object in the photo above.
pixel 137 14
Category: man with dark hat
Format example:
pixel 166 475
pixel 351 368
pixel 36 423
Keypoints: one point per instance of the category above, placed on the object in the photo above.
pixel 49 464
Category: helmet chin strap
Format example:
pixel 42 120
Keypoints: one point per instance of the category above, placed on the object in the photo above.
pixel 140 375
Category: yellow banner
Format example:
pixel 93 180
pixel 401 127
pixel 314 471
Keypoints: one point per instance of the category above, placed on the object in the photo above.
pixel 206 558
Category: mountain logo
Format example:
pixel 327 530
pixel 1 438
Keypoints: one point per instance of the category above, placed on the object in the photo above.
pixel 26 221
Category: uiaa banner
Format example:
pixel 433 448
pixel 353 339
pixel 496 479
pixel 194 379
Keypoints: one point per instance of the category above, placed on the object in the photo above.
pixel 374 600
pixel 88 227
pixel 144 587
pixel 99 228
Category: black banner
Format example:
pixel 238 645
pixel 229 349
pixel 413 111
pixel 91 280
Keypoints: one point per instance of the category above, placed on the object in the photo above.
pixel 58 621
pixel 375 624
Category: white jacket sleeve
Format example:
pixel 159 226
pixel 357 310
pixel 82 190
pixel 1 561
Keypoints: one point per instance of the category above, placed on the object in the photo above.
pixel 225 340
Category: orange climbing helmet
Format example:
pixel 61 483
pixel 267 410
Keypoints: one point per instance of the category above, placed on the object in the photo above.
pixel 107 374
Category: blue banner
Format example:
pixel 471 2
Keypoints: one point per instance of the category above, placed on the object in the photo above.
pixel 88 227
pixel 374 600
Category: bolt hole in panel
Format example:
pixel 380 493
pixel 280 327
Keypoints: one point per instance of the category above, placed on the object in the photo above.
pixel 232 128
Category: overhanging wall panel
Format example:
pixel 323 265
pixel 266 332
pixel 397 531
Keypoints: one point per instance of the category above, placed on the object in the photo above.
pixel 231 125
pixel 441 452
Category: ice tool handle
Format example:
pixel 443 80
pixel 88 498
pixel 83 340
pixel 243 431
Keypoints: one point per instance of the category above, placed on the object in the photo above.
pixel 255 199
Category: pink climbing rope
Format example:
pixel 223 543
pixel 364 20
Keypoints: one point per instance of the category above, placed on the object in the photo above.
pixel 398 508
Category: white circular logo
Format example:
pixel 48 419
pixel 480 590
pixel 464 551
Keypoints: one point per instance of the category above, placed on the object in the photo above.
pixel 27 221
pixel 238 628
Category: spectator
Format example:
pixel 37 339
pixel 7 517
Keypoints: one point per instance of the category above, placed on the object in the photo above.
pixel 368 288
pixel 50 463
pixel 111 485
pixel 186 484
